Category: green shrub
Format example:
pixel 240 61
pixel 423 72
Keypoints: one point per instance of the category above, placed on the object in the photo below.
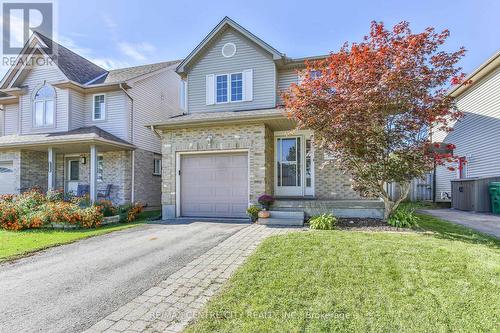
pixel 403 217
pixel 253 212
pixel 323 222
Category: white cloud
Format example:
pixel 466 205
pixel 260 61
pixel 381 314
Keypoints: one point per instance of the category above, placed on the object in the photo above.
pixel 137 51
pixel 107 63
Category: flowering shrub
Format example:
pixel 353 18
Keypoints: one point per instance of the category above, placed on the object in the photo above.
pixel 134 211
pixel 10 216
pixel 266 201
pixel 62 212
pixel 106 207
pixel 34 209
pixel 91 217
pixel 55 195
pixel 7 197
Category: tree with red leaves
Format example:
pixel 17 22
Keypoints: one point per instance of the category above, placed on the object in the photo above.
pixel 372 106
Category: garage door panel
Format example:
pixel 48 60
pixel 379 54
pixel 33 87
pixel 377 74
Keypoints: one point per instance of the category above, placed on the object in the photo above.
pixel 214 185
pixel 7 179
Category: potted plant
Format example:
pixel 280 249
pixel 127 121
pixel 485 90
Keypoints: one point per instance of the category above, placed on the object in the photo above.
pixel 265 201
pixel 253 212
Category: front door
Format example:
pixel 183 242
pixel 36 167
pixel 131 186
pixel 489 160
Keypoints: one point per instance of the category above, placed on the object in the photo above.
pixel 294 166
pixel 73 177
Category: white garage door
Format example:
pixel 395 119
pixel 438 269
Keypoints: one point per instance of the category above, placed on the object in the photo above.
pixel 214 185
pixel 7 179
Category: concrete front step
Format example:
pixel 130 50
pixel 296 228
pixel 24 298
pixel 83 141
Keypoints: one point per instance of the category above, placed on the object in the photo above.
pixel 340 208
pixel 292 218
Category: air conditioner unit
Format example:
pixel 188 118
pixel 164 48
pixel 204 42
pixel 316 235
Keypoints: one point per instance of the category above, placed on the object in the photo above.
pixel 445 196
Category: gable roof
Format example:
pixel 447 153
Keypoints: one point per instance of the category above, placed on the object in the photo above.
pixel 225 23
pixel 75 67
pixel 484 69
pixel 80 70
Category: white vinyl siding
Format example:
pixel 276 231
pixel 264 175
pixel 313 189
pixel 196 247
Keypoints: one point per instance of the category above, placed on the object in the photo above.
pixel 156 98
pixel 477 135
pixel 77 109
pixel 285 79
pixel 48 73
pixel 117 114
pixel 257 67
pixel 11 119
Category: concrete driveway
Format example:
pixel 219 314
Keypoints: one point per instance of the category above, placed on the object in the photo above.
pixel 486 223
pixel 69 288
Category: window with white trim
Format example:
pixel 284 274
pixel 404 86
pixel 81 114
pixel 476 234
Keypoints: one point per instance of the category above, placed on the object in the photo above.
pixel 43 106
pixel 236 87
pixel 99 107
pixel 229 88
pixel 157 166
pixel 221 88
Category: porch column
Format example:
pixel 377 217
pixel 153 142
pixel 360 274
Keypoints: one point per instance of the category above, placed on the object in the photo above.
pixel 51 167
pixel 93 173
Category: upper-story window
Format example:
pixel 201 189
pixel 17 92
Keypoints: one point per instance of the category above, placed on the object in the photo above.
pixel 44 103
pixel 221 89
pixel 234 87
pixel 99 108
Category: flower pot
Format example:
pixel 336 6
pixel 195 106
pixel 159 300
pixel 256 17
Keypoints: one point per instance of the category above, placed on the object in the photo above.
pixel 264 214
pixel 110 219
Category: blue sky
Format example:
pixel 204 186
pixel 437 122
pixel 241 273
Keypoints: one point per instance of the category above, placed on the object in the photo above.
pixel 125 33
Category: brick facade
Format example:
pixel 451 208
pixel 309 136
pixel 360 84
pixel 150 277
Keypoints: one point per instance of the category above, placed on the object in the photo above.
pixel 251 137
pixel 330 184
pixel 148 186
pixel 34 170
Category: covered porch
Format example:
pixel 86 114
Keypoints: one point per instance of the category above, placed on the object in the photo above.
pixel 87 161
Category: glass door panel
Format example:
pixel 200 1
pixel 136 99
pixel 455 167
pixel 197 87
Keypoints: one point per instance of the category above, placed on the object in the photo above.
pixel 288 165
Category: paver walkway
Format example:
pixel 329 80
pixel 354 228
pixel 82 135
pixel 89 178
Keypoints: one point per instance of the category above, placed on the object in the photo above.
pixel 172 304
pixel 487 223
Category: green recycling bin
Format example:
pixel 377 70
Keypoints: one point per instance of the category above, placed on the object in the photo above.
pixel 494 189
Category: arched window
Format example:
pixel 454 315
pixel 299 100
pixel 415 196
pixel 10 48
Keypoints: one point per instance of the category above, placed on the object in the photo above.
pixel 44 106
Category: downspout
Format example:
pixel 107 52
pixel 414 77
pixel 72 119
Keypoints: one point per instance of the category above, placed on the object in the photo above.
pixel 132 190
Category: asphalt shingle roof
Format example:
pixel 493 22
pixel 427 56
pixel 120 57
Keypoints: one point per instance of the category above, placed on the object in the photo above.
pixel 75 67
pixel 78 69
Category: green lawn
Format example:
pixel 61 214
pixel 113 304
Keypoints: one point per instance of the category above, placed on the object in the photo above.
pixel 444 280
pixel 15 244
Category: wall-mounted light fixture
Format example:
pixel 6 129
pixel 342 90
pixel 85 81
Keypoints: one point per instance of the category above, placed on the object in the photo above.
pixel 83 160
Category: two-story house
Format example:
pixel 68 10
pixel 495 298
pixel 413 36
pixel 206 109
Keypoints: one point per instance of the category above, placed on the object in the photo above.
pixel 477 134
pixel 234 142
pixel 66 123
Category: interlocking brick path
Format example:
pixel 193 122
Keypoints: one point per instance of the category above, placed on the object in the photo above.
pixel 174 302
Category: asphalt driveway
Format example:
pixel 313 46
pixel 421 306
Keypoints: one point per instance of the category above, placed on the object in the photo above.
pixel 483 222
pixel 69 288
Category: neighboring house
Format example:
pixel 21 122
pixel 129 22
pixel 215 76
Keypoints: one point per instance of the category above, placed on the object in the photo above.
pixel 66 123
pixel 233 143
pixel 477 135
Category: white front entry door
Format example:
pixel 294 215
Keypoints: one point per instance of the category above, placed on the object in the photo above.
pixel 294 170
pixel 73 172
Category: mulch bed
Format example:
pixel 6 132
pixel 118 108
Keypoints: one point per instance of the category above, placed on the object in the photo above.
pixel 365 224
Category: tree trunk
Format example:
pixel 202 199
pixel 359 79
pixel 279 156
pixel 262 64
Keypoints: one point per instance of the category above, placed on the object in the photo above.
pixel 389 205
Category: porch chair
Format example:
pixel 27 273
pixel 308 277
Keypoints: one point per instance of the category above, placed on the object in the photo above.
pixel 82 190
pixel 105 194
